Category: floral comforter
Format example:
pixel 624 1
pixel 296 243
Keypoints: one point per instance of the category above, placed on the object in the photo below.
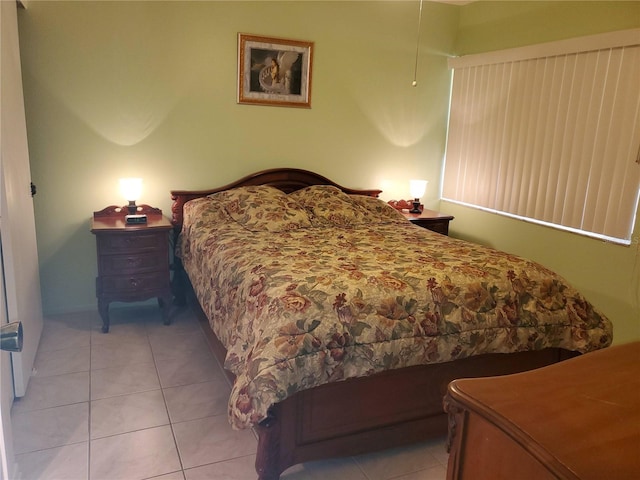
pixel 319 286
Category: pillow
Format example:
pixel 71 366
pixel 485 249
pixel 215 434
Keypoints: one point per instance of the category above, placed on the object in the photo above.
pixel 264 208
pixel 378 211
pixel 329 205
pixel 204 210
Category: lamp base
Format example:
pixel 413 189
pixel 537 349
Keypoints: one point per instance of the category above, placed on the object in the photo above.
pixel 132 208
pixel 416 207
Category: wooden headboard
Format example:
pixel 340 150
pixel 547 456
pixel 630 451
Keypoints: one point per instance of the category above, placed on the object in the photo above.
pixel 286 179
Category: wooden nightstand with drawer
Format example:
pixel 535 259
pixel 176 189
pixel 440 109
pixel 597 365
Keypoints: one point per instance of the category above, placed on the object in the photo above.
pixel 431 220
pixel 133 259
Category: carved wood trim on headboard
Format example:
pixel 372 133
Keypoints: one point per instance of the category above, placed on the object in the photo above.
pixel 286 179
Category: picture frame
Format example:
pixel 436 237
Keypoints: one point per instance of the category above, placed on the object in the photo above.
pixel 274 71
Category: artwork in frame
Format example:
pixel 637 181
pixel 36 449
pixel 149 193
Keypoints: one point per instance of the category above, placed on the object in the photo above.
pixel 274 71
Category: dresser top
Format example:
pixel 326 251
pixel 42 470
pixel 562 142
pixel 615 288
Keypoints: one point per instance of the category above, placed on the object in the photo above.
pixel 581 415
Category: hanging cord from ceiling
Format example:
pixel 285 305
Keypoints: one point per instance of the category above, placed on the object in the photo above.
pixel 415 68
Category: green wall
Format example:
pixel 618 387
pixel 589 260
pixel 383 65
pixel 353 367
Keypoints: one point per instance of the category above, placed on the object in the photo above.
pixel 148 89
pixel 116 89
pixel 496 25
pixel 608 274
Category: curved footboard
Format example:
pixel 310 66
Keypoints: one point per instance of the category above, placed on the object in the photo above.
pixel 361 415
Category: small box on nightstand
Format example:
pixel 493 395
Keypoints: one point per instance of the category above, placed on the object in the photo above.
pixel 135 219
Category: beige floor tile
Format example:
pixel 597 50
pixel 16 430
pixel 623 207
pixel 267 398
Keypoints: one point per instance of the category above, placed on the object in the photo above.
pixel 142 454
pixel 179 344
pixel 114 354
pixel 343 468
pixel 182 321
pixel 396 462
pixel 51 427
pixel 211 439
pixel 187 368
pixel 60 362
pixel 121 331
pixel 438 448
pixel 127 413
pixel 199 400
pixel 79 321
pixel 110 382
pixel 66 331
pixel 242 468
pixel 170 476
pixel 437 472
pixel 47 392
pixel 70 462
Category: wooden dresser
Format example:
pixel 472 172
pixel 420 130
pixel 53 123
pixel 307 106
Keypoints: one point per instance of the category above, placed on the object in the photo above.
pixel 579 419
pixel 133 260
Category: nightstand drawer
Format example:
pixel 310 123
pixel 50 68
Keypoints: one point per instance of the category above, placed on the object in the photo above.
pixel 135 263
pixel 138 242
pixel 132 285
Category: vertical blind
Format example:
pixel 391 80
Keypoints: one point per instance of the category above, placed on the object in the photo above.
pixel 550 134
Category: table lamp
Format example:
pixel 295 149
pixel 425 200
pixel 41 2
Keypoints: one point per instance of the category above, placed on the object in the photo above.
pixel 131 189
pixel 417 189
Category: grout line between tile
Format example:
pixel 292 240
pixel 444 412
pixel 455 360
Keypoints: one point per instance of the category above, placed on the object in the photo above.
pixel 166 407
pixel 46 408
pixel 51 448
pixel 90 447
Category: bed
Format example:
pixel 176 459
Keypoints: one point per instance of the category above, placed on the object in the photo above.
pixel 341 323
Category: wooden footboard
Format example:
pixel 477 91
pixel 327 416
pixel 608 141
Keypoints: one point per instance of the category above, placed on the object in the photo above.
pixel 361 415
pixel 366 414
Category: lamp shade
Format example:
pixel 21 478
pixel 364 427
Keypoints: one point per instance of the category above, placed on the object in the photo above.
pixel 417 188
pixel 131 188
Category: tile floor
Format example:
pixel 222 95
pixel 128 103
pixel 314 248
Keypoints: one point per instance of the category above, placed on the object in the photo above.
pixel 149 401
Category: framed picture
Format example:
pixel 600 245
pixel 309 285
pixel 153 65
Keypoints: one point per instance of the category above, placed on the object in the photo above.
pixel 274 71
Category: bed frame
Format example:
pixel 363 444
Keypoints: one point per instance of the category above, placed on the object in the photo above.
pixel 360 415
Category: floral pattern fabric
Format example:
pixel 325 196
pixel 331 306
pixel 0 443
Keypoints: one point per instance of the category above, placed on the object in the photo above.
pixel 262 207
pixel 328 205
pixel 327 302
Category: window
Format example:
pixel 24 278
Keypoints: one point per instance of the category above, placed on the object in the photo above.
pixel 550 133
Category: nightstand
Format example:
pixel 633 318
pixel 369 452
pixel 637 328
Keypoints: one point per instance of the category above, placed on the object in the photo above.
pixel 431 220
pixel 133 259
